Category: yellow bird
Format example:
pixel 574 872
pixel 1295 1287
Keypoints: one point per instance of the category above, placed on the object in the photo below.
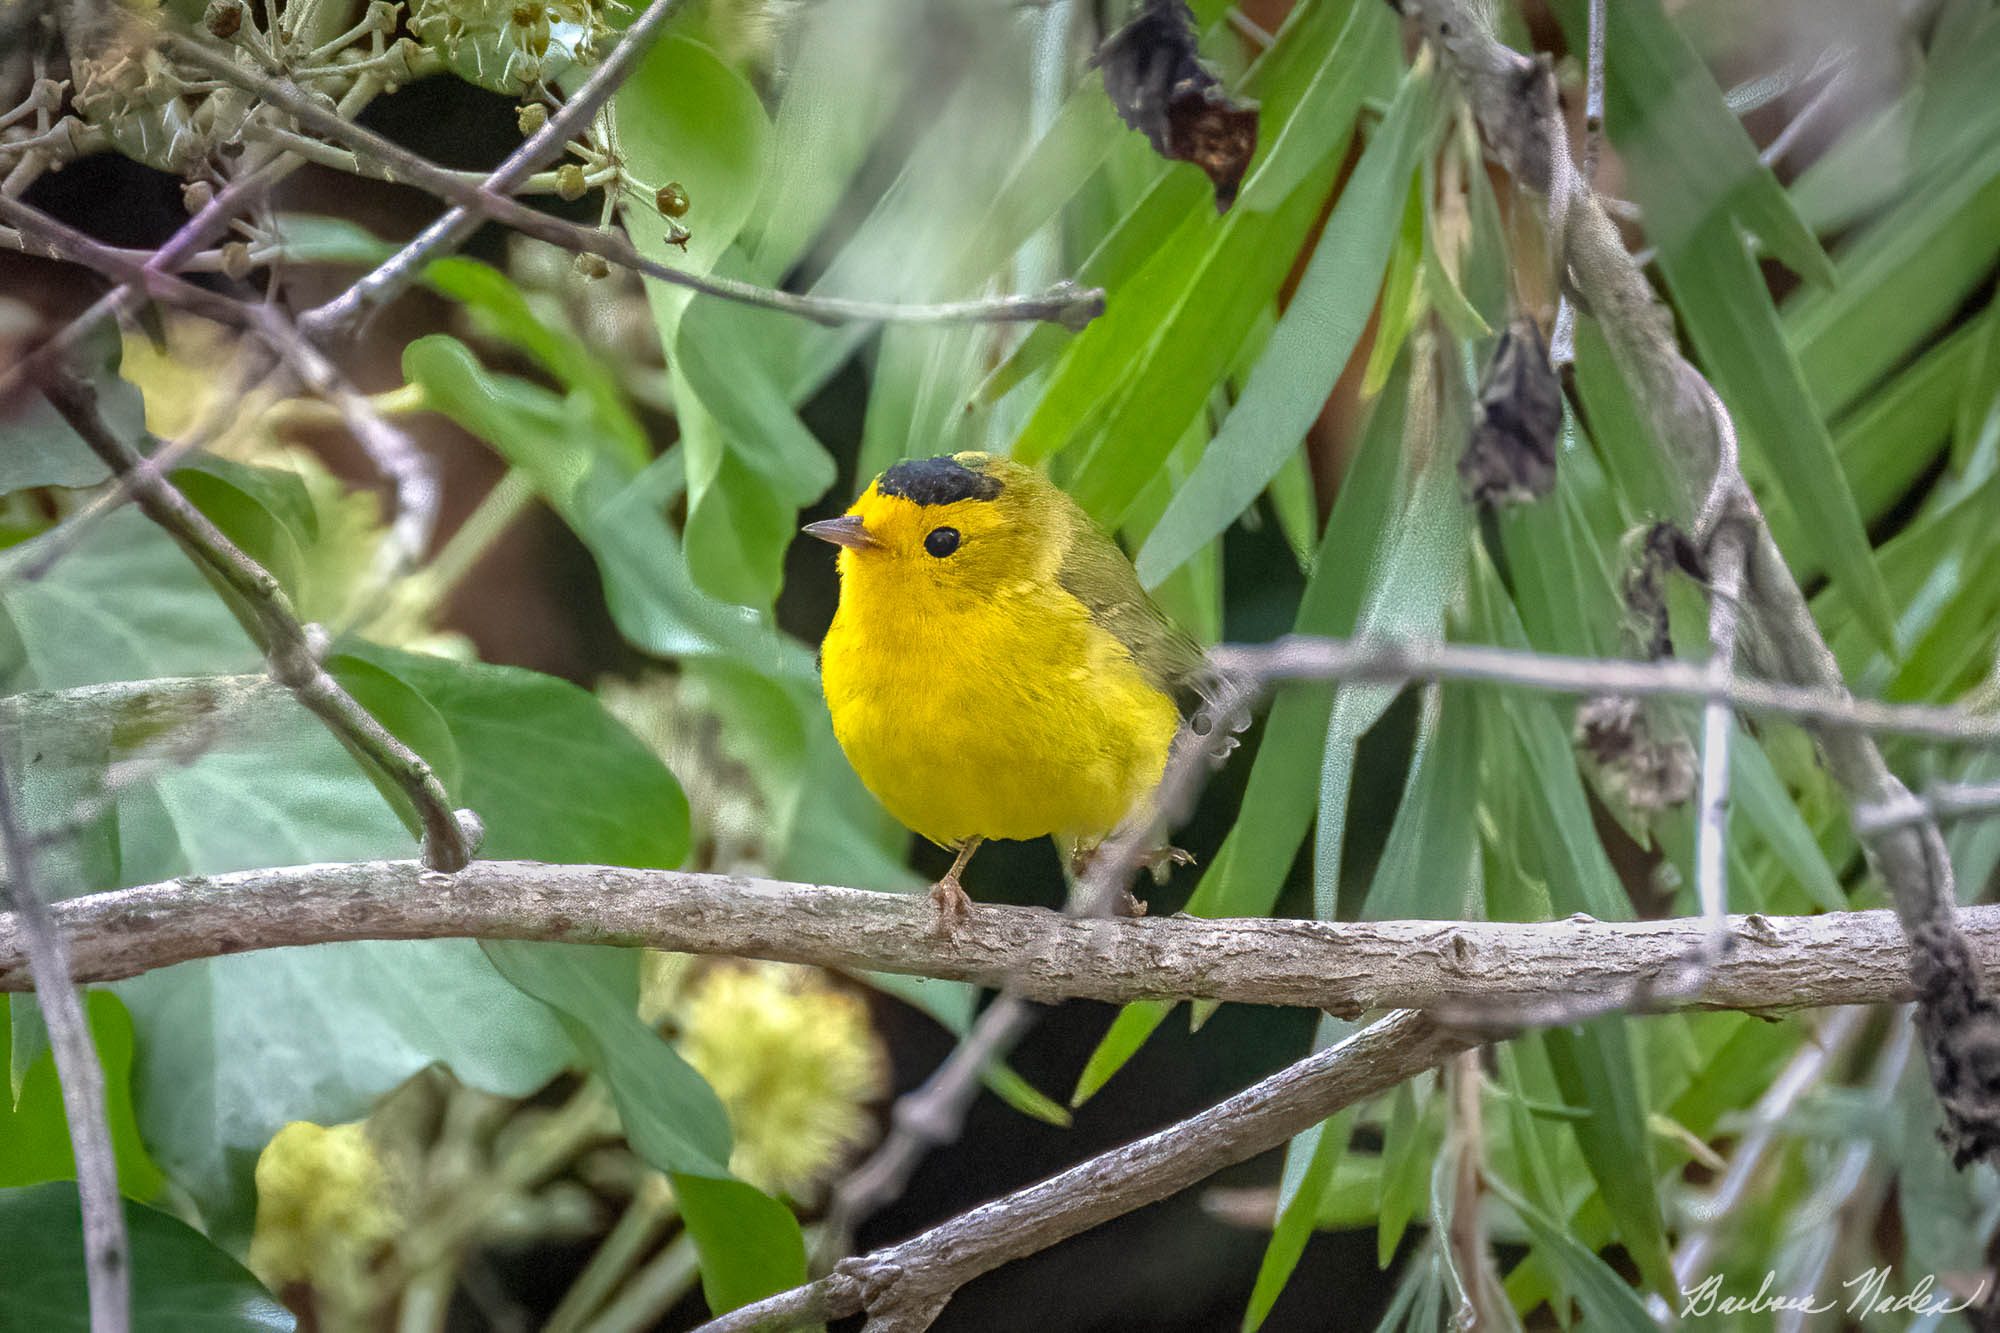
pixel 995 669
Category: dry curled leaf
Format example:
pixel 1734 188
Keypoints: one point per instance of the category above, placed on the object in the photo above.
pixel 1652 553
pixel 1159 86
pixel 1639 768
pixel 1511 457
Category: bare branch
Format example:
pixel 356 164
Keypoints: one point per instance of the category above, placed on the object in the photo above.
pixel 341 316
pixel 449 838
pixel 905 1286
pixel 45 956
pixel 1778 964
pixel 1067 305
pixel 1830 708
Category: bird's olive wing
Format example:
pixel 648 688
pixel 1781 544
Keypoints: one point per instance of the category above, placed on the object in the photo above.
pixel 1096 573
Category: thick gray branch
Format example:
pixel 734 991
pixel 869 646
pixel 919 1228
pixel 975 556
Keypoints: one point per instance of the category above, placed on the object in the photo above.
pixel 1776 963
pixel 906 1285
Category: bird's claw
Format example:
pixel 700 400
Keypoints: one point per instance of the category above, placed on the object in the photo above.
pixel 953 904
pixel 1162 862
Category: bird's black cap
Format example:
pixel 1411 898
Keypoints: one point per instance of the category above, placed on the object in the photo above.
pixel 938 481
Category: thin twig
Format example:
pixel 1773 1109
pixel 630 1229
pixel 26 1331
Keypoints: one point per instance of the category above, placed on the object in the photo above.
pixel 1944 802
pixel 47 960
pixel 1562 343
pixel 1066 304
pixel 1718 725
pixel 1829 708
pixel 905 1286
pixel 449 838
pixel 1779 963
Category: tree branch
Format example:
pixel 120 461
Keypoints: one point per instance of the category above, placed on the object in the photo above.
pixel 45 957
pixel 1777 964
pixel 1067 305
pixel 1830 708
pixel 905 1286
pixel 1514 100
pixel 449 837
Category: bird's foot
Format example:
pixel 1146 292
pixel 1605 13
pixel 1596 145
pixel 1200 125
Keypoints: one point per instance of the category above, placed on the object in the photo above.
pixel 1129 904
pixel 1161 862
pixel 953 904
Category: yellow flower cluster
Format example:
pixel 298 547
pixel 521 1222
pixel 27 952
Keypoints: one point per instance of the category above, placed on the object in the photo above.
pixel 793 1056
pixel 324 1211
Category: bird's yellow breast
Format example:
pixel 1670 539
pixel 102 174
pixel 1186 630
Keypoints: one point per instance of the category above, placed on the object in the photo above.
pixel 1005 713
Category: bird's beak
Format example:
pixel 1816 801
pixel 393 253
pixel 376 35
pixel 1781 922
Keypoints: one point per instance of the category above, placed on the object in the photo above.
pixel 848 530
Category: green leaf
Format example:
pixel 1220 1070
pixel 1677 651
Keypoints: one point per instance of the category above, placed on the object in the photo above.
pixel 1429 867
pixel 671 1116
pixel 1319 1153
pixel 1727 310
pixel 312 238
pixel 1311 345
pixel 181 1282
pixel 34 1130
pixel 235 1047
pixel 1593 1067
pixel 749 1244
pixel 751 463
pixel 1408 594
pixel 1247 873
pixel 1128 1032
pixel 553 776
pixel 41 449
pixel 1692 165
pixel 1411 1134
pixel 686 116
pixel 1608 1302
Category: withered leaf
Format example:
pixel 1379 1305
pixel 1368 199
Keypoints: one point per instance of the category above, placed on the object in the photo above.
pixel 1511 457
pixel 1159 86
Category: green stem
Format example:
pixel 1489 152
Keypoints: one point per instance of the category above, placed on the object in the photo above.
pixel 653 1290
pixel 645 1217
pixel 475 537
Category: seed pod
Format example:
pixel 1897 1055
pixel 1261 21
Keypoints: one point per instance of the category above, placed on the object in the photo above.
pixel 592 266
pixel 570 183
pixel 1159 86
pixel 672 200
pixel 529 117
pixel 195 195
pixel 236 260
pixel 1511 455
pixel 223 18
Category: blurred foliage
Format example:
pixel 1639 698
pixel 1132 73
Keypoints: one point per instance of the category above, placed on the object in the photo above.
pixel 1306 361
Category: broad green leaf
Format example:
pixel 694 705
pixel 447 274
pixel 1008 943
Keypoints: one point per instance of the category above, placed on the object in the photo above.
pixel 504 313
pixel 40 448
pixel 671 1116
pixel 315 238
pixel 749 1243
pixel 34 1131
pixel 684 116
pixel 235 1047
pixel 554 776
pixel 181 1281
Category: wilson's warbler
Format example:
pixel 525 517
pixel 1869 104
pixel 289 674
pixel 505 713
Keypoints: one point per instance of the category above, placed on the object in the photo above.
pixel 995 669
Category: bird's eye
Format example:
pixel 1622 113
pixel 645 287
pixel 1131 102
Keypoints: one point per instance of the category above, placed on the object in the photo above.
pixel 941 542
